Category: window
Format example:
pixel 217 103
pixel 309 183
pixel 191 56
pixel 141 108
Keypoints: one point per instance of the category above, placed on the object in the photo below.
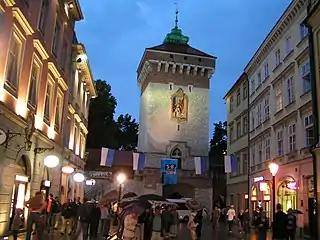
pixel 252 119
pixel 266 70
pixel 56 39
pixel 259 78
pixel 289 45
pixel 260 152
pixel 43 15
pixel 253 155
pixel 309 128
pixel 266 108
pixel 245 125
pixel 267 148
pixel 279 98
pixel 59 108
pixel 14 63
pixel 47 106
pixel 303 31
pixel 238 97
pixel 231 104
pixel 33 86
pixel 292 137
pixel 278 57
pixel 231 134
pixel 280 142
pixel 238 129
pixel 305 76
pixel 190 88
pixel 75 139
pixel 290 90
pixel 177 154
pixel 65 53
pixel 244 163
pixel 68 131
pixel 245 89
pixel 170 86
pixel 259 115
pixel 238 165
pixel 253 87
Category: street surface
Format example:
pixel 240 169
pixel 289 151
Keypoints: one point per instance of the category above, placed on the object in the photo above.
pixel 207 234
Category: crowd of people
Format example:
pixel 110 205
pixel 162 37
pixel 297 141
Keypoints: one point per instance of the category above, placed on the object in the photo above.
pixel 283 226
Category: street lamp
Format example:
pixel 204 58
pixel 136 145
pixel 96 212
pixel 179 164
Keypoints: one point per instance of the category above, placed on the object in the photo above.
pixel 78 177
pixel 273 167
pixel 51 161
pixel 120 179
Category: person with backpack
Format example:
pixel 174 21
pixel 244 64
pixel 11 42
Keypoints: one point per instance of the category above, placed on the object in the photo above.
pixel 84 215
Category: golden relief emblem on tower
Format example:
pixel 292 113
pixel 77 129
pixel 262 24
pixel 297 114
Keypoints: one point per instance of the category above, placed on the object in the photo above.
pixel 179 106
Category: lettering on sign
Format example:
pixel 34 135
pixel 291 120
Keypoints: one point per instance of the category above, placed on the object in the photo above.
pixel 100 175
pixel 292 185
pixel 258 179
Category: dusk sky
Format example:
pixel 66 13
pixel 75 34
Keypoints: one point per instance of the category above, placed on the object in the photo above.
pixel 116 34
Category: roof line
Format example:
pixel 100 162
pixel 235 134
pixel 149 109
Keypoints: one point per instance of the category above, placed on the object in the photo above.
pixel 235 84
pixel 188 54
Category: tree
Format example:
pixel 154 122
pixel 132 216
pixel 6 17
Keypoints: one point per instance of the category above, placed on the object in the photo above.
pixel 127 132
pixel 104 131
pixel 218 144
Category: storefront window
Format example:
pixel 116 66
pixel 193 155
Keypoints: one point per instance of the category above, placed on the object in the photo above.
pixel 287 197
pixel 254 197
pixel 266 199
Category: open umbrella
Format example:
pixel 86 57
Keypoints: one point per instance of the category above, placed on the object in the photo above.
pixel 129 195
pixel 193 205
pixel 152 197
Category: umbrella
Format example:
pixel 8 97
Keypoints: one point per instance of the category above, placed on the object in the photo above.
pixel 296 211
pixel 152 197
pixel 132 207
pixel 129 195
pixel 193 205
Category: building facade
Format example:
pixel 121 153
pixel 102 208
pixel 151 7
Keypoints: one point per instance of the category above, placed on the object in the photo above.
pixel 313 22
pixel 169 75
pixel 37 40
pixel 280 114
pixel 238 126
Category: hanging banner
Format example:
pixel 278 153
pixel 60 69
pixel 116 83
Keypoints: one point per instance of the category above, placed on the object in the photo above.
pixel 169 171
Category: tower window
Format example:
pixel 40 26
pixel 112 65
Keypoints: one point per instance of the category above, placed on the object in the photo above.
pixel 190 88
pixel 178 127
pixel 170 86
pixel 199 59
pixel 171 55
pixel 185 58
pixel 177 154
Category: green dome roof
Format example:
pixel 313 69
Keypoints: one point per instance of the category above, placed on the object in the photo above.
pixel 176 36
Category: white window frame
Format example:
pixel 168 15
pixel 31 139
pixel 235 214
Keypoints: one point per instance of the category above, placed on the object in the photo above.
pixel 279 136
pixel 19 38
pixel 59 110
pixel 252 86
pixel 266 69
pixel 36 62
pixel 245 89
pixel 309 127
pixel 238 129
pixel 253 156
pixel 259 114
pixel 303 31
pixel 259 79
pixel 266 108
pixel 252 119
pixel 260 152
pixel 231 133
pixel 56 38
pixel 278 57
pixel 48 108
pixel 292 137
pixel 238 96
pixel 305 76
pixel 43 16
pixel 245 125
pixel 289 44
pixel 267 148
pixel 290 90
pixel 279 98
pixel 231 104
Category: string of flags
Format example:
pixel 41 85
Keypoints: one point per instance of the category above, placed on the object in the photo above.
pixel 138 160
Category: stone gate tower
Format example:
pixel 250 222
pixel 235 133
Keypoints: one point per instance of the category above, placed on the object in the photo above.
pixel 174 114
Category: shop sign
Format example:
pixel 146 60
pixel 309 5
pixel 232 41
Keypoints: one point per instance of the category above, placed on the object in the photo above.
pixel 263 186
pixel 258 179
pixel 100 175
pixel 292 185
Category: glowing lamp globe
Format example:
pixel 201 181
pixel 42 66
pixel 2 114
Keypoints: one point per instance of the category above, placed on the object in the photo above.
pixel 51 161
pixel 273 167
pixel 78 177
pixel 121 178
pixel 67 169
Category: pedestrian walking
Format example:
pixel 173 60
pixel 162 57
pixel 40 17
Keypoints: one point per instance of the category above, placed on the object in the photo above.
pixel 51 205
pixel 157 224
pixel 198 220
pixel 262 225
pixel 57 213
pixel 174 222
pixel 67 218
pixel 279 224
pixel 240 221
pixel 215 218
pixel 246 221
pixel 231 214
pixel 105 221
pixel 291 224
pixel 167 220
pixel 130 225
pixel 17 222
pixel 192 225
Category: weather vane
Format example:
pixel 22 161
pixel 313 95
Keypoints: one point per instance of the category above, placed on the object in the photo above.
pixel 177 12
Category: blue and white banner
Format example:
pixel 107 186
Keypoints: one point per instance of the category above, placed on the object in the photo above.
pixel 230 164
pixel 107 157
pixel 169 171
pixel 138 161
pixel 201 164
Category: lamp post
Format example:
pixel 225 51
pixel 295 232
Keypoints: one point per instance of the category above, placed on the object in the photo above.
pixel 120 179
pixel 273 167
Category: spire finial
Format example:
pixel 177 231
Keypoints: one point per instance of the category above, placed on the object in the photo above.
pixel 177 12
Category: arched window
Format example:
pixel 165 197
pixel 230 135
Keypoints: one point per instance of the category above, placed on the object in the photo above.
pixel 177 154
pixel 23 164
pixel 287 197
